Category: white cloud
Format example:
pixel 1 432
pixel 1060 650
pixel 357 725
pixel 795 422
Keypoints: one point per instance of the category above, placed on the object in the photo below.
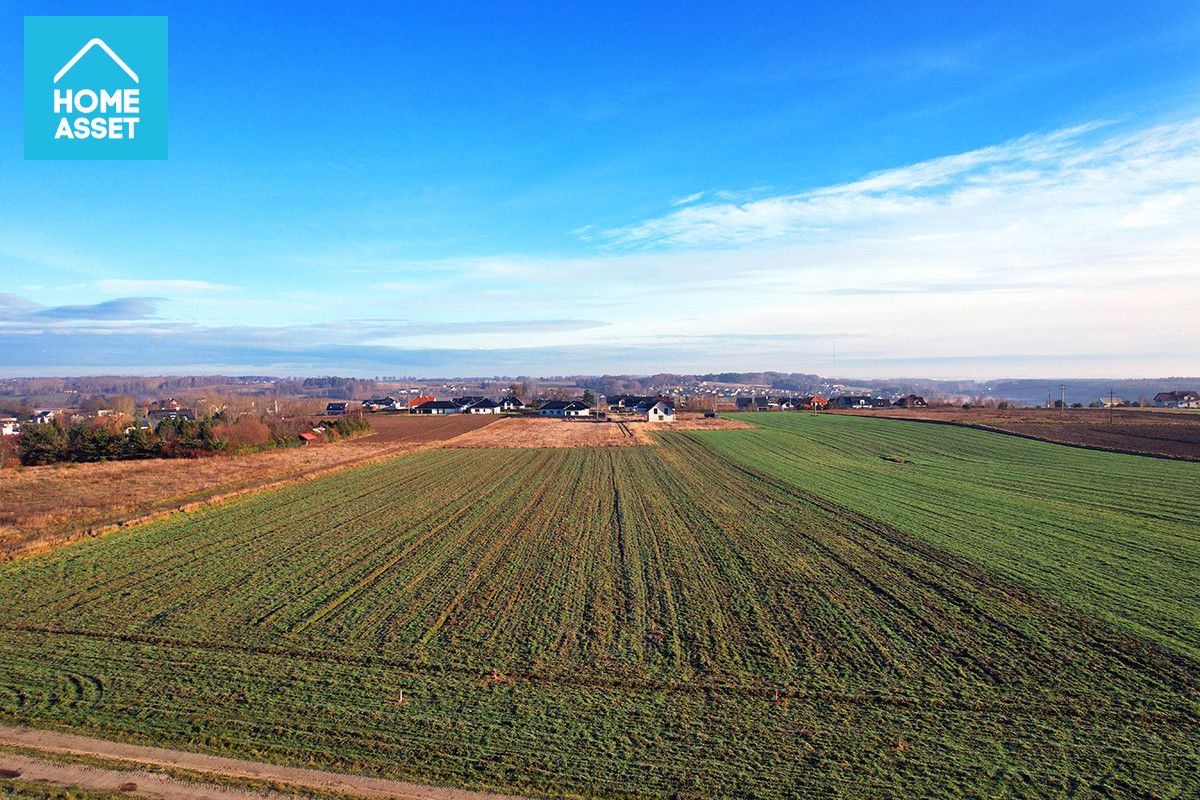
pixel 691 198
pixel 1075 180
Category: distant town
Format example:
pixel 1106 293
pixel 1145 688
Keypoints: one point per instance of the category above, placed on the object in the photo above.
pixel 147 402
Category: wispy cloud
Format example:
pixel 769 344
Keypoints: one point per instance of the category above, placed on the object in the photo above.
pixel 16 309
pixel 691 198
pixel 1086 178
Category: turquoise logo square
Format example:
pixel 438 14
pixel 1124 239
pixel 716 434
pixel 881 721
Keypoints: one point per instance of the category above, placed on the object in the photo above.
pixel 95 88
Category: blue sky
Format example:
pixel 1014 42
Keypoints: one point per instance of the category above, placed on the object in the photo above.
pixel 949 190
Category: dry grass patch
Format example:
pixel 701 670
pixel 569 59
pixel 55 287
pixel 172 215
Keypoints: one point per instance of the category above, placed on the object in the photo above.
pixel 55 504
pixel 692 421
pixel 526 432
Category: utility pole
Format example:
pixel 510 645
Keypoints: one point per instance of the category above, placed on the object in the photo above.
pixel 1062 398
pixel 1110 406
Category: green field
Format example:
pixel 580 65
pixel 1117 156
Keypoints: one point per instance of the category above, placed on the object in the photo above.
pixel 1115 536
pixel 732 613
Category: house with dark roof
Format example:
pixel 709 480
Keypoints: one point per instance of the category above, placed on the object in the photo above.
pixel 753 404
pixel 437 407
pixel 1184 398
pixel 910 401
pixel 626 402
pixel 468 399
pixel 512 403
pixel 335 409
pixel 852 401
pixel 564 408
pixel 380 404
pixel 482 406
pixel 157 415
pixel 661 410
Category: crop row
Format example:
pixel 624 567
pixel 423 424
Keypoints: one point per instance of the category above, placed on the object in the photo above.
pixel 1116 536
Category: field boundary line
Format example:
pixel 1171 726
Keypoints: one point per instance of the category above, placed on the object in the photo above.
pixel 981 427
pixel 49 741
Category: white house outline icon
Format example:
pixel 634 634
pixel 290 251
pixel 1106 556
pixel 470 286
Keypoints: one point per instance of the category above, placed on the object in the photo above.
pixel 84 50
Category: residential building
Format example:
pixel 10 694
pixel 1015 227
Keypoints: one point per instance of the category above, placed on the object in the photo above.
pixel 512 403
pixel 157 415
pixel 564 408
pixel 380 404
pixel 660 410
pixel 437 407
pixel 483 406
pixel 1184 398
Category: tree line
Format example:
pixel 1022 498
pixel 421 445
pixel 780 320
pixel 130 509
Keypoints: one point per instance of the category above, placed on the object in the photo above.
pixel 81 441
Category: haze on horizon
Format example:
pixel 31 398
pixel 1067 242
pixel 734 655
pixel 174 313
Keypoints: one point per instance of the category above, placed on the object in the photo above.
pixel 1008 191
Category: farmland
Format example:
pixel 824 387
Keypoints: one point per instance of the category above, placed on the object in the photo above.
pixel 731 613
pixel 48 505
pixel 615 432
pixel 1112 535
pixel 1171 434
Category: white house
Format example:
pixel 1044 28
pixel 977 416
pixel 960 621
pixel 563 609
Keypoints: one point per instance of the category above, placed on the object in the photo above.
pixel 511 403
pixel 1179 399
pixel 44 416
pixel 388 403
pixel 437 407
pixel 660 411
pixel 565 408
pixel 482 407
pixel 9 426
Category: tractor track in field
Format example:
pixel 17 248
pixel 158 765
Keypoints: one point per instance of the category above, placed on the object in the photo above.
pixel 144 783
pixel 1067 706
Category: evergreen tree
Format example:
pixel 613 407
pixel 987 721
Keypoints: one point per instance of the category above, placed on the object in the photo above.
pixel 42 444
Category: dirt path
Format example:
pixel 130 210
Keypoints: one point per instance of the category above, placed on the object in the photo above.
pixel 150 784
pixel 132 783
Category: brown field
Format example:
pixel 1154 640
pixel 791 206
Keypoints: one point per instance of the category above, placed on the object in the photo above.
pixel 526 432
pixel 44 506
pixel 695 421
pixel 542 432
pixel 1144 431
